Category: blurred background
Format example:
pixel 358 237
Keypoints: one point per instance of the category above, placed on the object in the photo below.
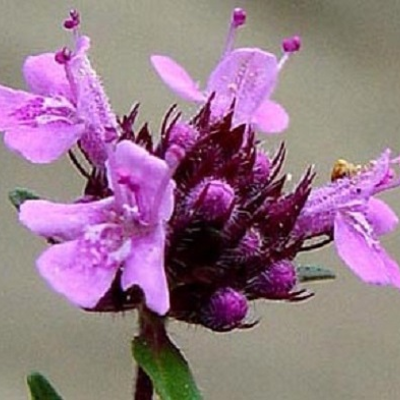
pixel 342 92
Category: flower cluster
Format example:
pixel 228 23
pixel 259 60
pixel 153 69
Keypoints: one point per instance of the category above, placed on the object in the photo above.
pixel 202 222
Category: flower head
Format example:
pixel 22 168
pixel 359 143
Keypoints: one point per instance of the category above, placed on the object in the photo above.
pixel 229 236
pixel 202 222
pixel 114 242
pixel 347 210
pixel 243 79
pixel 65 104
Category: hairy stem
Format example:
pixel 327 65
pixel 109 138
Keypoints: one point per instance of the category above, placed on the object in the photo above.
pixel 152 328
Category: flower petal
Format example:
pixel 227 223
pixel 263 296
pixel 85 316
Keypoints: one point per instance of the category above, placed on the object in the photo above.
pixel 145 268
pixel 42 145
pixel 246 76
pixel 151 177
pixel 381 216
pixel 361 251
pixel 63 221
pixel 177 78
pixel 40 128
pixel 74 276
pixel 46 77
pixel 270 117
pixel 92 105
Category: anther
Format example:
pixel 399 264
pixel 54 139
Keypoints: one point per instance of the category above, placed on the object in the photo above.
pixel 63 56
pixel 238 17
pixel 291 44
pixel 74 20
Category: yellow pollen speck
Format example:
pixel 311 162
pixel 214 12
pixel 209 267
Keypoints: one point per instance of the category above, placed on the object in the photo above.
pixel 344 169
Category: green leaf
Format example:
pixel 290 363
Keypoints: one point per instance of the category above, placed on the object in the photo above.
pixel 310 273
pixel 167 369
pixel 20 195
pixel 40 388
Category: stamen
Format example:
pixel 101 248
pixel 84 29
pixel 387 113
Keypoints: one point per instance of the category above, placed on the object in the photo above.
pixel 237 20
pixel 238 17
pixel 124 178
pixel 63 56
pixel 74 20
pixel 132 206
pixel 289 46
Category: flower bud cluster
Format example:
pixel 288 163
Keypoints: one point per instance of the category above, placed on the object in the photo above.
pixel 229 237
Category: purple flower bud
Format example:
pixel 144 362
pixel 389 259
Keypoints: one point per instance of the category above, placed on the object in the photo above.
pixel 276 282
pixel 181 138
pixel 238 17
pixel 174 155
pixel 225 311
pixel 291 44
pixel 213 200
pixel 182 134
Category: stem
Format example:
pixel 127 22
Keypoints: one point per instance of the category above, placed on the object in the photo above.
pixel 152 328
pixel 143 386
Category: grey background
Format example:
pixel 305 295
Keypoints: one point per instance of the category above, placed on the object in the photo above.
pixel 342 93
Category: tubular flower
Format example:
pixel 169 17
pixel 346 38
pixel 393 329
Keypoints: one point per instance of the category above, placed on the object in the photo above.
pixel 244 79
pixel 114 242
pixel 65 104
pixel 347 210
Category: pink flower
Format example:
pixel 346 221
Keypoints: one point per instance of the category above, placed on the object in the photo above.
pixel 348 210
pixel 65 104
pixel 119 237
pixel 245 77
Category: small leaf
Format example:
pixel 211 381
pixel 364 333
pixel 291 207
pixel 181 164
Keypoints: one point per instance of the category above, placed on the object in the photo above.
pixel 40 388
pixel 310 273
pixel 167 369
pixel 20 195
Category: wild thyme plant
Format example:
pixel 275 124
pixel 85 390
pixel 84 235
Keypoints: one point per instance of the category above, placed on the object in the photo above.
pixel 191 223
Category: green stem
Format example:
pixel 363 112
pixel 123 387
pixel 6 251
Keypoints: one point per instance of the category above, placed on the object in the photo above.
pixel 152 329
